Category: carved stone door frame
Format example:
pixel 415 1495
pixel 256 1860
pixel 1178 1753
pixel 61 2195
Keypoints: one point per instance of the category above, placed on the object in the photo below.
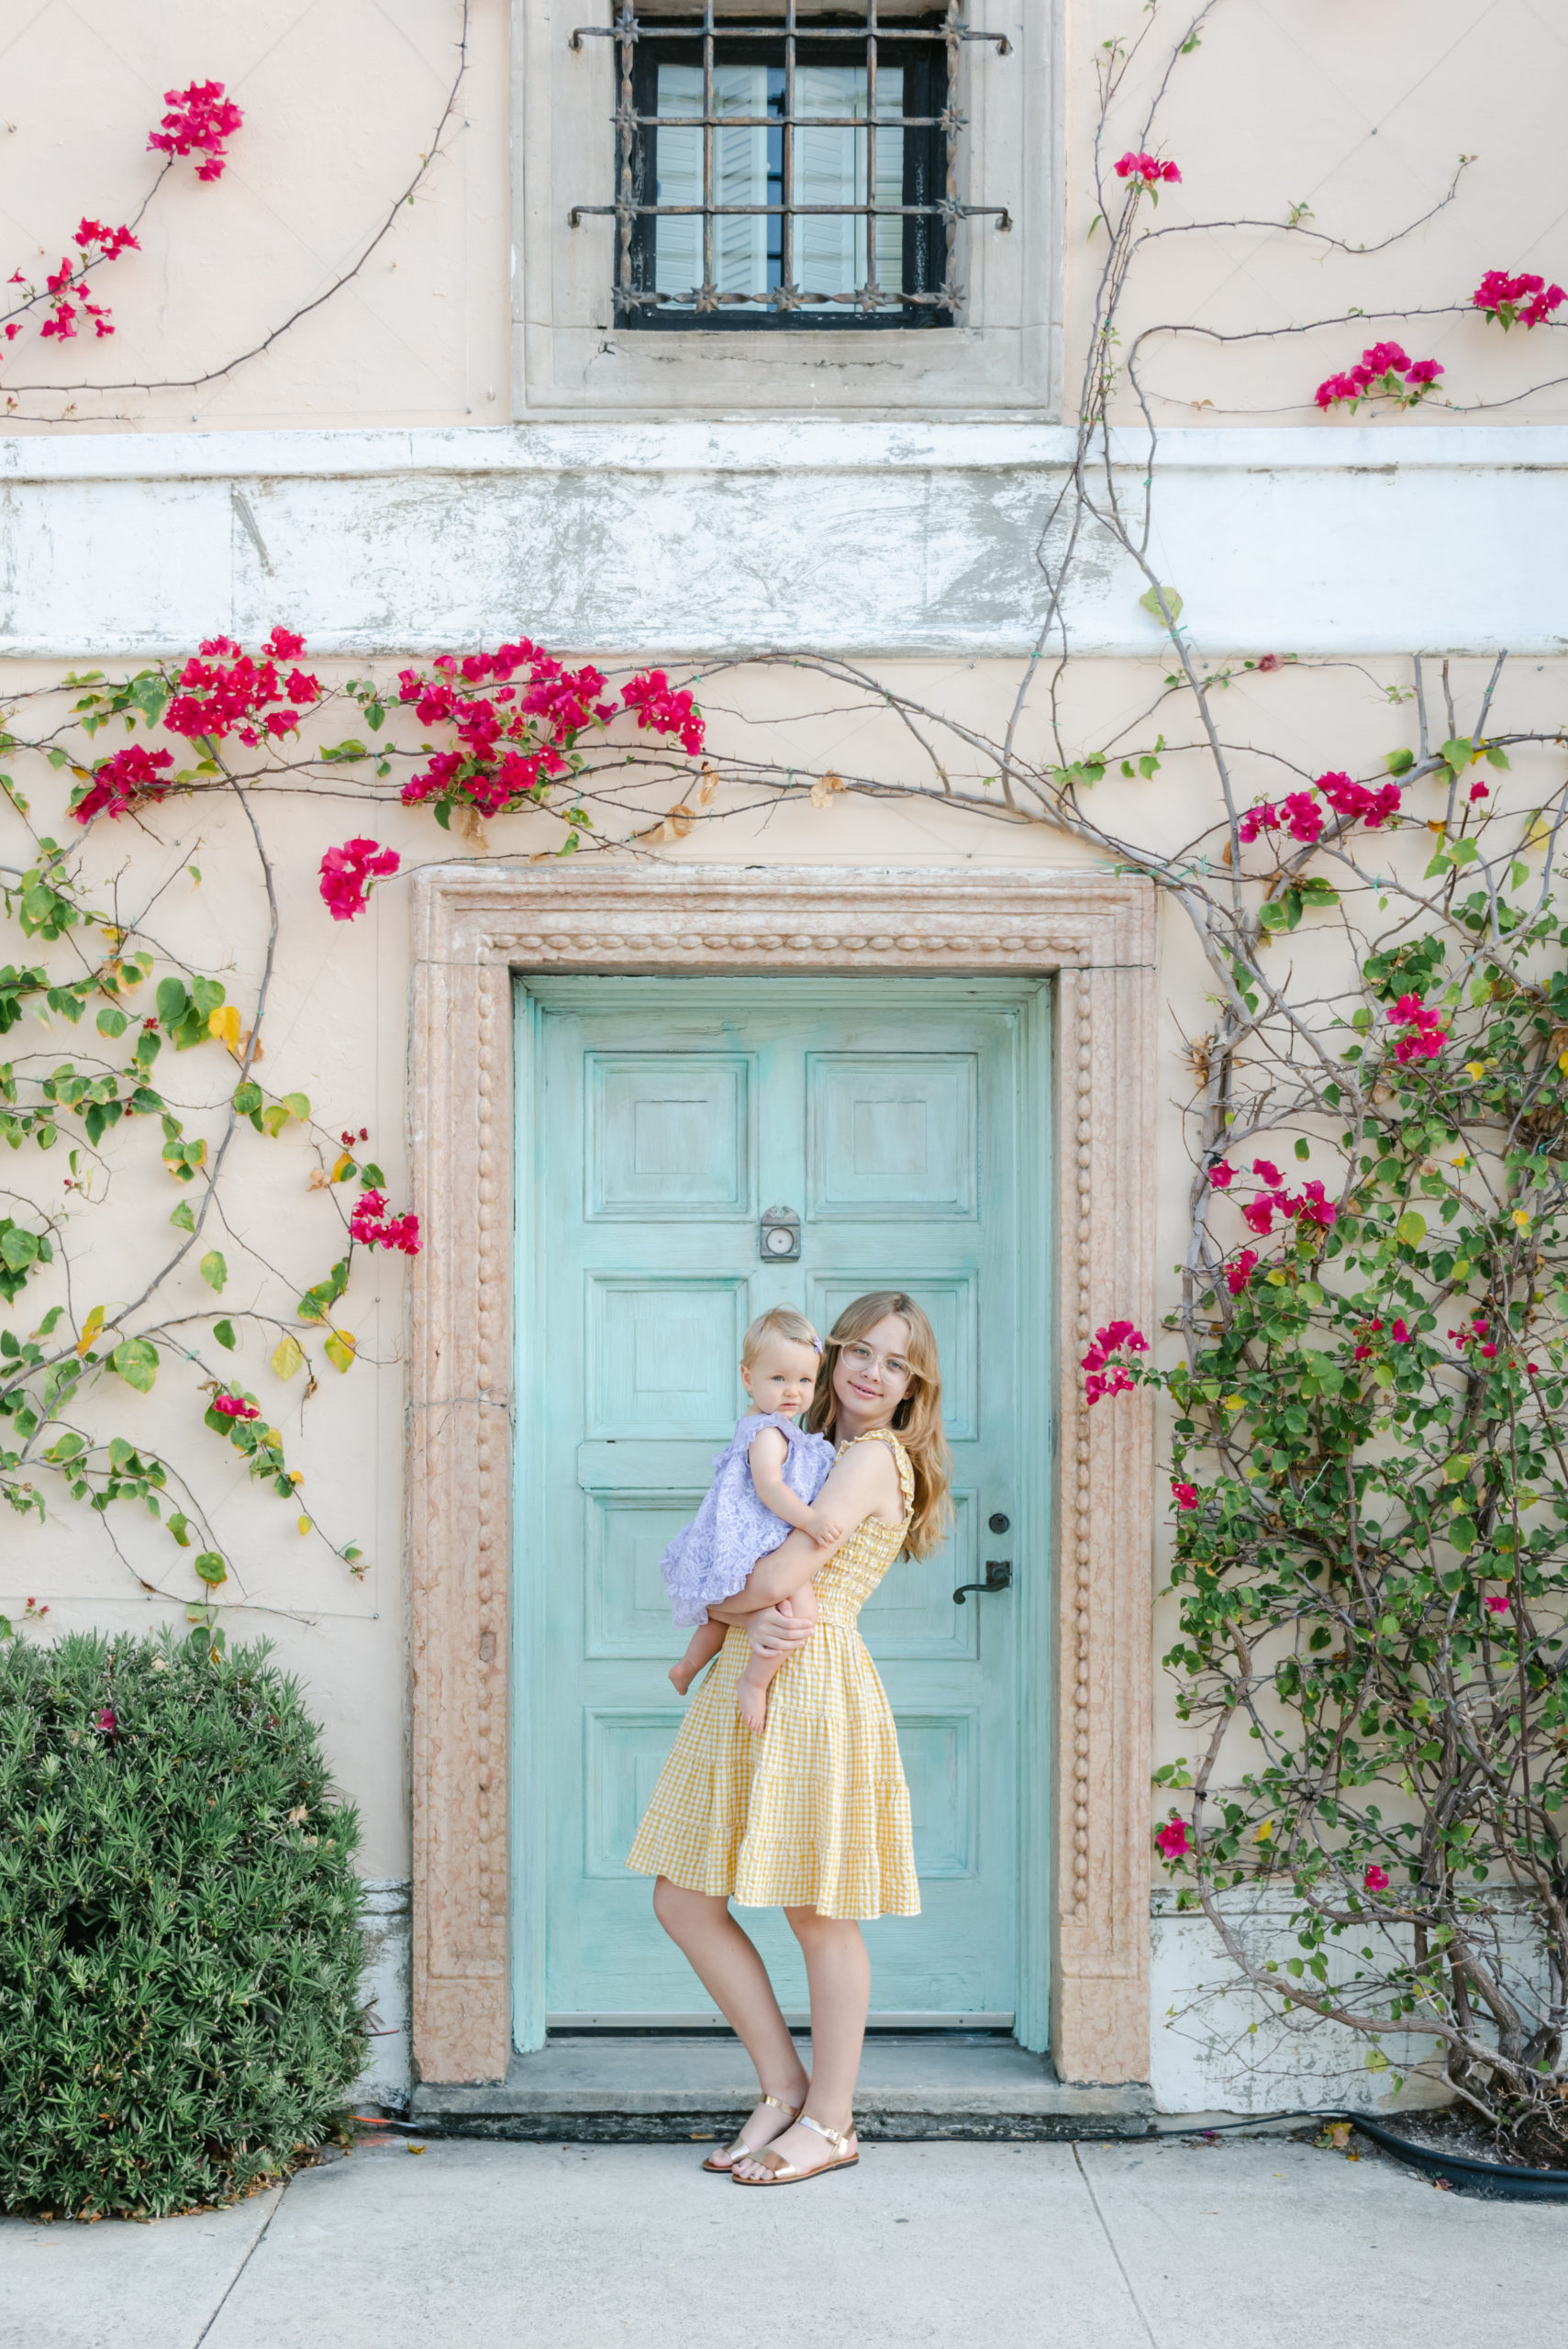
pixel 474 926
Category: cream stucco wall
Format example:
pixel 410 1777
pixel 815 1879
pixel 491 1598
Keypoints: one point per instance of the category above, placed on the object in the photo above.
pixel 1360 115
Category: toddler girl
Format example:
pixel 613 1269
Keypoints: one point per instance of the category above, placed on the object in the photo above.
pixel 764 1481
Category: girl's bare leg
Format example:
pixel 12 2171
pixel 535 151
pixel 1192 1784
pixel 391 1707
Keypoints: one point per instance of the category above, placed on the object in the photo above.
pixel 701 1648
pixel 837 1969
pixel 726 1963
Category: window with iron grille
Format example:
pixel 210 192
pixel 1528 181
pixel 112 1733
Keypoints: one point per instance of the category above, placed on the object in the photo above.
pixel 788 168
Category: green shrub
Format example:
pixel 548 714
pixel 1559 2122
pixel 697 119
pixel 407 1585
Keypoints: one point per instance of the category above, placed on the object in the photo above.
pixel 180 1954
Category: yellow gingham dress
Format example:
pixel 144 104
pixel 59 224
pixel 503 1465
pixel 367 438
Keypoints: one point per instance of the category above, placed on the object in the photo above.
pixel 814 1813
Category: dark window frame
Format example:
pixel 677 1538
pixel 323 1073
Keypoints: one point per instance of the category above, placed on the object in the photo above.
pixel 923 46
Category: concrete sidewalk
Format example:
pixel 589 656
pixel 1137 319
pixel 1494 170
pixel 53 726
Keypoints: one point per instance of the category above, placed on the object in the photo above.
pixel 1246 2243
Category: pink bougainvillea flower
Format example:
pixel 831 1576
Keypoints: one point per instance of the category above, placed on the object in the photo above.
pixel 235 1407
pixel 1315 1207
pixel 371 1226
pixel 1270 661
pixel 106 1720
pixel 1402 1335
pixel 200 119
pixel 1525 297
pixel 1265 1170
pixel 1357 802
pixel 1185 1494
pixel 1496 1603
pixel 1423 1034
pixel 663 710
pixel 1222 1175
pixel 1149 169
pixel 1376 1879
pixel 1385 368
pixel 1173 1838
pixel 223 691
pixel 111 242
pixel 121 782
pixel 1479 791
pixel 1490 1353
pixel 1105 1373
pixel 1237 1274
pixel 347 875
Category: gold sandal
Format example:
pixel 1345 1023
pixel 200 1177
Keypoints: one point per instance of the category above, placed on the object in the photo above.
pixel 786 2173
pixel 721 2162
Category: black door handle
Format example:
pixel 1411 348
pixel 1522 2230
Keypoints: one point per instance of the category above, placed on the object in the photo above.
pixel 998 1576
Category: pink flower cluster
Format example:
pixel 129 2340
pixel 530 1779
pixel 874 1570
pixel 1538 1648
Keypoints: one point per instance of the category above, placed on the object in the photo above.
pixel 200 119
pixel 1400 1335
pixel 1421 1033
pixel 1477 1336
pixel 349 872
pixel 513 739
pixel 1185 1494
pixel 1300 814
pixel 122 783
pixel 1496 1603
pixel 69 279
pixel 666 711
pixel 1173 1838
pixel 1147 168
pixel 1106 1374
pixel 1310 1205
pixel 238 696
pixel 1527 296
pixel 371 1226
pixel 1381 366
pixel 235 1407
pixel 1238 1273
pixel 1377 1878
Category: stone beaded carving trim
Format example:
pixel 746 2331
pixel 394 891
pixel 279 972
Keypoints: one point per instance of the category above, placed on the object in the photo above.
pixel 474 926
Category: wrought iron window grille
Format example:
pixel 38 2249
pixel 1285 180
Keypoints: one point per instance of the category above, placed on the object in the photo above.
pixel 729 130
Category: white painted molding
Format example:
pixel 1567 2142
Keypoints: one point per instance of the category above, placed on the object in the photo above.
pixel 697 539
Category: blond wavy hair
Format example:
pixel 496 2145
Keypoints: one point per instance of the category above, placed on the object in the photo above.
pixel 918 1420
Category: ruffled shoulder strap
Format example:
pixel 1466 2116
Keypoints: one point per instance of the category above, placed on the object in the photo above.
pixel 900 1461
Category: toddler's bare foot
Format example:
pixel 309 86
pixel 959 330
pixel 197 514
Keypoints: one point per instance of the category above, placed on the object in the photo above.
pixel 682 1676
pixel 753 1705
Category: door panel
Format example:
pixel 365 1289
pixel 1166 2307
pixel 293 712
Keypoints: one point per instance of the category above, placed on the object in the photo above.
pixel 669 1114
pixel 893 1137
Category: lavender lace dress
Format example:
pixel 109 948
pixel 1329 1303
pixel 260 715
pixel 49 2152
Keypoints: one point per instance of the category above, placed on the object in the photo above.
pixel 711 1557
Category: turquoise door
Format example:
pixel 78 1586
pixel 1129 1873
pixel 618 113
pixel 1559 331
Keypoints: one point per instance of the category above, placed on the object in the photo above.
pixel 664 1117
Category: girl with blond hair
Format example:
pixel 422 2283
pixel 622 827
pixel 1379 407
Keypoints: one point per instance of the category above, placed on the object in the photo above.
pixel 812 1816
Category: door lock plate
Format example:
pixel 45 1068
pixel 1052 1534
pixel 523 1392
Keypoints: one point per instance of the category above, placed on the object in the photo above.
pixel 778 1236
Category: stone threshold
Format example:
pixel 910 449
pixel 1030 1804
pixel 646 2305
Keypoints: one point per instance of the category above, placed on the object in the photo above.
pixel 678 2087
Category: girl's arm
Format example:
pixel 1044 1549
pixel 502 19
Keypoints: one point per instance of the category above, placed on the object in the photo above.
pixel 864 1483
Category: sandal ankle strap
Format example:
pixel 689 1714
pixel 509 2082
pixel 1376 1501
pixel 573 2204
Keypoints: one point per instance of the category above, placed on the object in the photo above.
pixel 837 2138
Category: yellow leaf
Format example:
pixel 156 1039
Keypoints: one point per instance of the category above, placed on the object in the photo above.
pixel 287 1358
pixel 344 1166
pixel 1562 1062
pixel 340 1349
pixel 1538 833
pixel 304 1525
pixel 224 1023
pixel 90 1328
pixel 1265 1833
pixel 1521 1218
pixel 1235 1402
